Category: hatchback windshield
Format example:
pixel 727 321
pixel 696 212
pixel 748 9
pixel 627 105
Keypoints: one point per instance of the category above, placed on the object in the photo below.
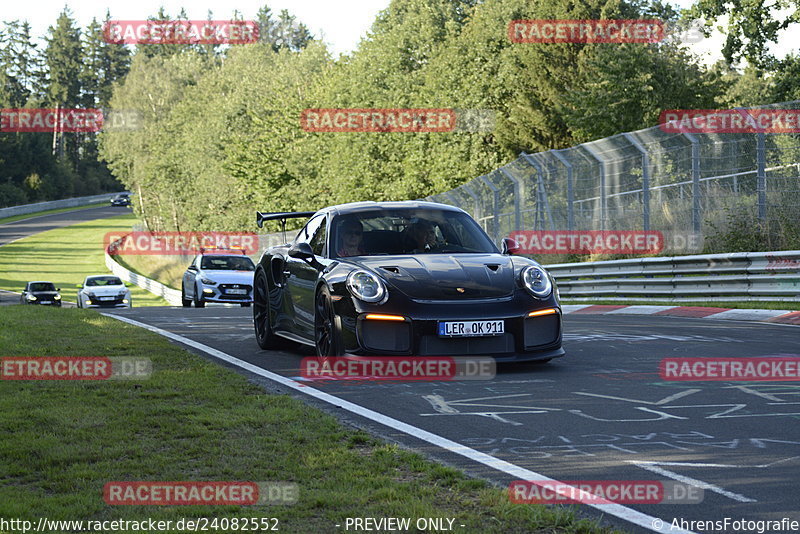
pixel 43 286
pixel 408 231
pixel 228 263
pixel 104 281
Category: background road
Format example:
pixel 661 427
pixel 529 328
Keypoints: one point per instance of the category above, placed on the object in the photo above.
pixel 600 413
pixel 41 223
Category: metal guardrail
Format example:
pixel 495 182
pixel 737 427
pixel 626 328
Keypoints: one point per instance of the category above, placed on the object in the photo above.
pixel 27 209
pixel 750 276
pixel 172 296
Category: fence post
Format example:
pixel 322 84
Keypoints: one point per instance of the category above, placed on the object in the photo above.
pixel 478 208
pixel 495 207
pixel 695 182
pixel 542 213
pixel 645 180
pixel 761 173
pixel 570 189
pixel 518 198
pixel 603 199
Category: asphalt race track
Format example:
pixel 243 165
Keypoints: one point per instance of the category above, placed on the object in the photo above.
pixel 600 413
pixel 41 223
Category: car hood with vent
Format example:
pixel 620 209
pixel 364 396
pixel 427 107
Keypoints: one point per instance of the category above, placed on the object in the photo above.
pixel 445 276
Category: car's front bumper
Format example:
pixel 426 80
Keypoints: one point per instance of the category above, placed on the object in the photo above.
pixel 524 339
pixel 218 293
pixel 56 303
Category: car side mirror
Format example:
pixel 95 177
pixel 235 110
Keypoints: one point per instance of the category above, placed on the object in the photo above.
pixel 128 284
pixel 509 246
pixel 301 251
pixel 191 268
pixel 79 286
pixel 58 289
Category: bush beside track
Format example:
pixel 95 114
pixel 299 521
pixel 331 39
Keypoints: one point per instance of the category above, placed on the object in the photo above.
pixel 195 420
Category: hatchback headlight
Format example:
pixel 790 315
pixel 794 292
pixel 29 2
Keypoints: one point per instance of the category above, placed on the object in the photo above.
pixel 31 297
pixel 208 281
pixel 536 281
pixel 366 286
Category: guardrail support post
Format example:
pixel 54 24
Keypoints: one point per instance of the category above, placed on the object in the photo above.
pixel 543 214
pixel 478 209
pixel 696 223
pixel 761 173
pixel 603 197
pixel 495 207
pixel 570 189
pixel 645 180
pixel 518 198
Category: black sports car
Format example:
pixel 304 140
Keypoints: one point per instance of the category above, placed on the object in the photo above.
pixel 403 278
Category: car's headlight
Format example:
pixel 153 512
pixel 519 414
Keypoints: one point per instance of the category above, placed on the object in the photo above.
pixel 366 286
pixel 208 281
pixel 57 297
pixel 536 281
pixel 90 296
pixel 31 297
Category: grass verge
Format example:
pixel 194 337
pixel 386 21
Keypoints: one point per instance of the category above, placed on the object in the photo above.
pixel 766 305
pixel 14 218
pixel 193 420
pixel 65 256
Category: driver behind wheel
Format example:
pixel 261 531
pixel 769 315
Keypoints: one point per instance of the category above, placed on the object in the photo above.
pixel 421 237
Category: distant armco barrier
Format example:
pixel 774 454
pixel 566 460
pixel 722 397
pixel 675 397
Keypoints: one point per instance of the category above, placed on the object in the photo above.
pixel 588 242
pixel 745 121
pixel 586 31
pixel 178 243
pixel 50 120
pixel 180 31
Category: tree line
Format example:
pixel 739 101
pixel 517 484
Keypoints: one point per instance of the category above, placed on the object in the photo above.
pixel 221 132
pixel 75 68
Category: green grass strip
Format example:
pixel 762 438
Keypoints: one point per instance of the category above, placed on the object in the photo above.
pixel 194 420
pixel 14 218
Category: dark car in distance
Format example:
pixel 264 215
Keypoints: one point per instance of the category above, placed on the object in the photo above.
pixel 122 199
pixel 403 278
pixel 45 293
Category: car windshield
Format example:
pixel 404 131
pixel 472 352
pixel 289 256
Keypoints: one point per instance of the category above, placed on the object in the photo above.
pixel 42 286
pixel 408 231
pixel 228 263
pixel 103 281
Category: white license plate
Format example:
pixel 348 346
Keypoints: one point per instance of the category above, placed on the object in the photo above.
pixel 107 298
pixel 236 291
pixel 471 328
pixel 47 302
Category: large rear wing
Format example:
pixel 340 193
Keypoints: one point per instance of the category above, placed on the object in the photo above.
pixel 262 217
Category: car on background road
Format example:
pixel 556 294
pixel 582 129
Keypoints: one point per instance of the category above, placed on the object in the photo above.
pixel 45 293
pixel 404 278
pixel 104 291
pixel 218 275
pixel 122 199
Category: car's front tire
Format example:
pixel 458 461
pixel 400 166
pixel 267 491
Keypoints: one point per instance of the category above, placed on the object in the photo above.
pixel 186 303
pixel 326 334
pixel 265 335
pixel 198 300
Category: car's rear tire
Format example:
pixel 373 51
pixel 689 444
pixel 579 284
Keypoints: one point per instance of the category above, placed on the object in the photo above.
pixel 326 332
pixel 265 335
pixel 198 300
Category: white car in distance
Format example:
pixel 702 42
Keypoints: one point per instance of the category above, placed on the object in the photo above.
pixel 104 291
